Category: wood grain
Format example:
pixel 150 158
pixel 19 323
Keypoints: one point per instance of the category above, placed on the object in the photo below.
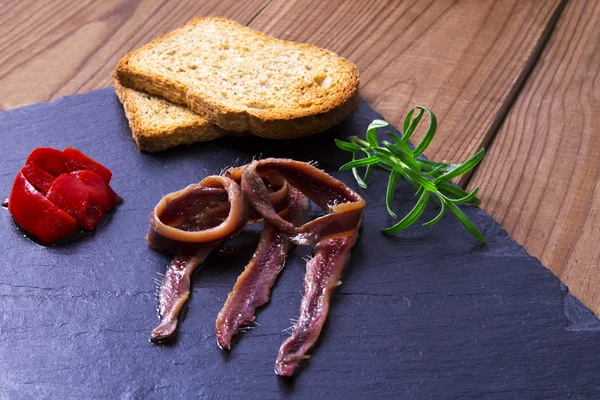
pixel 541 178
pixel 49 49
pixel 465 60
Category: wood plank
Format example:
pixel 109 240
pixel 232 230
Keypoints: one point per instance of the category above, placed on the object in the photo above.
pixel 541 178
pixel 49 49
pixel 464 59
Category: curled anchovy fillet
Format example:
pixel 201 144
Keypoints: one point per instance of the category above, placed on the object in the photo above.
pixel 192 222
pixel 253 286
pixel 168 230
pixel 343 205
pixel 335 234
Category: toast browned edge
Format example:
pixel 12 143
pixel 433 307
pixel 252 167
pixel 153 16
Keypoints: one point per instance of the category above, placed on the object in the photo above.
pixel 153 140
pixel 281 127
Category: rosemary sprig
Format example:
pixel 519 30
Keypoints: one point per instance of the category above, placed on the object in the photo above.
pixel 431 179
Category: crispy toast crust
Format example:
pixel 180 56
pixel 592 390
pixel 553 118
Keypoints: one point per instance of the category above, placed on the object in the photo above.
pixel 153 136
pixel 273 123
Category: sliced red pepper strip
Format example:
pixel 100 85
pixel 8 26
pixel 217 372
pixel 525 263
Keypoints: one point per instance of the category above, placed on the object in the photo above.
pixel 58 190
pixel 84 195
pixel 75 160
pixel 50 160
pixel 39 178
pixel 100 193
pixel 36 214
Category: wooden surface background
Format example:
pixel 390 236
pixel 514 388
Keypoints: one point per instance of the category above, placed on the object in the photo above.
pixel 520 77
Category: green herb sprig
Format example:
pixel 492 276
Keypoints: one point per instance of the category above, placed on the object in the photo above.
pixel 431 179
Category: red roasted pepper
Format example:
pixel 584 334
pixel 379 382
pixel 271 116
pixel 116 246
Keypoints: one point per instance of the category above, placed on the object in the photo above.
pixel 83 195
pixel 36 214
pixel 39 178
pixel 50 160
pixel 76 161
pixel 57 192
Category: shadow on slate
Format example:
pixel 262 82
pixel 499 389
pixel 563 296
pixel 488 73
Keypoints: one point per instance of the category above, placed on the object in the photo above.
pixel 428 313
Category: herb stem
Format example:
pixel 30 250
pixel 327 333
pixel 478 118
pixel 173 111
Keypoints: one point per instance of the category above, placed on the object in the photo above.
pixel 431 179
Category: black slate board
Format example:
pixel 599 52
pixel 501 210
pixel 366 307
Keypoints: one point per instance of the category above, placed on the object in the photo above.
pixel 429 313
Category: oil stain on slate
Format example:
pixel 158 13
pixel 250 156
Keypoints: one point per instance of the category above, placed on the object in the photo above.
pixel 428 313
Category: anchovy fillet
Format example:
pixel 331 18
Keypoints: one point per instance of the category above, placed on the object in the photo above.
pixel 253 286
pixel 191 223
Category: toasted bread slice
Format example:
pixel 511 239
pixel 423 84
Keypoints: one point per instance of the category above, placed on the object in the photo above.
pixel 157 124
pixel 243 80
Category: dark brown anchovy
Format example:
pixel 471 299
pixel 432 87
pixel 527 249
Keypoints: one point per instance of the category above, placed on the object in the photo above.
pixel 343 205
pixel 185 222
pixel 182 222
pixel 334 233
pixel 177 220
pixel 191 223
pixel 175 290
pixel 253 286
pixel 323 274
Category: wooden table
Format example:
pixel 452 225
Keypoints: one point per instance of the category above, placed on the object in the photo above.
pixel 519 77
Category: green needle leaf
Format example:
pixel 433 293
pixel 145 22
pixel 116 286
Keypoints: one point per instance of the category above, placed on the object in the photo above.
pixel 357 177
pixel 438 217
pixel 416 177
pixel 405 148
pixel 400 146
pixel 407 120
pixel 429 165
pixel 391 188
pixel 358 141
pixel 434 171
pixel 411 128
pixel 412 216
pixel 394 137
pixel 367 173
pixel 430 131
pixel 372 131
pixel 426 176
pixel 463 168
pixel 372 139
pixel 466 222
pixel 469 197
pixel 401 155
pixel 455 192
pixel 360 163
pixel 351 147
pixel 377 123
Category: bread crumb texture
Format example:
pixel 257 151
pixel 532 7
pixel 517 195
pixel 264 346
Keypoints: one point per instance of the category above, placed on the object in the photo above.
pixel 242 79
pixel 157 124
